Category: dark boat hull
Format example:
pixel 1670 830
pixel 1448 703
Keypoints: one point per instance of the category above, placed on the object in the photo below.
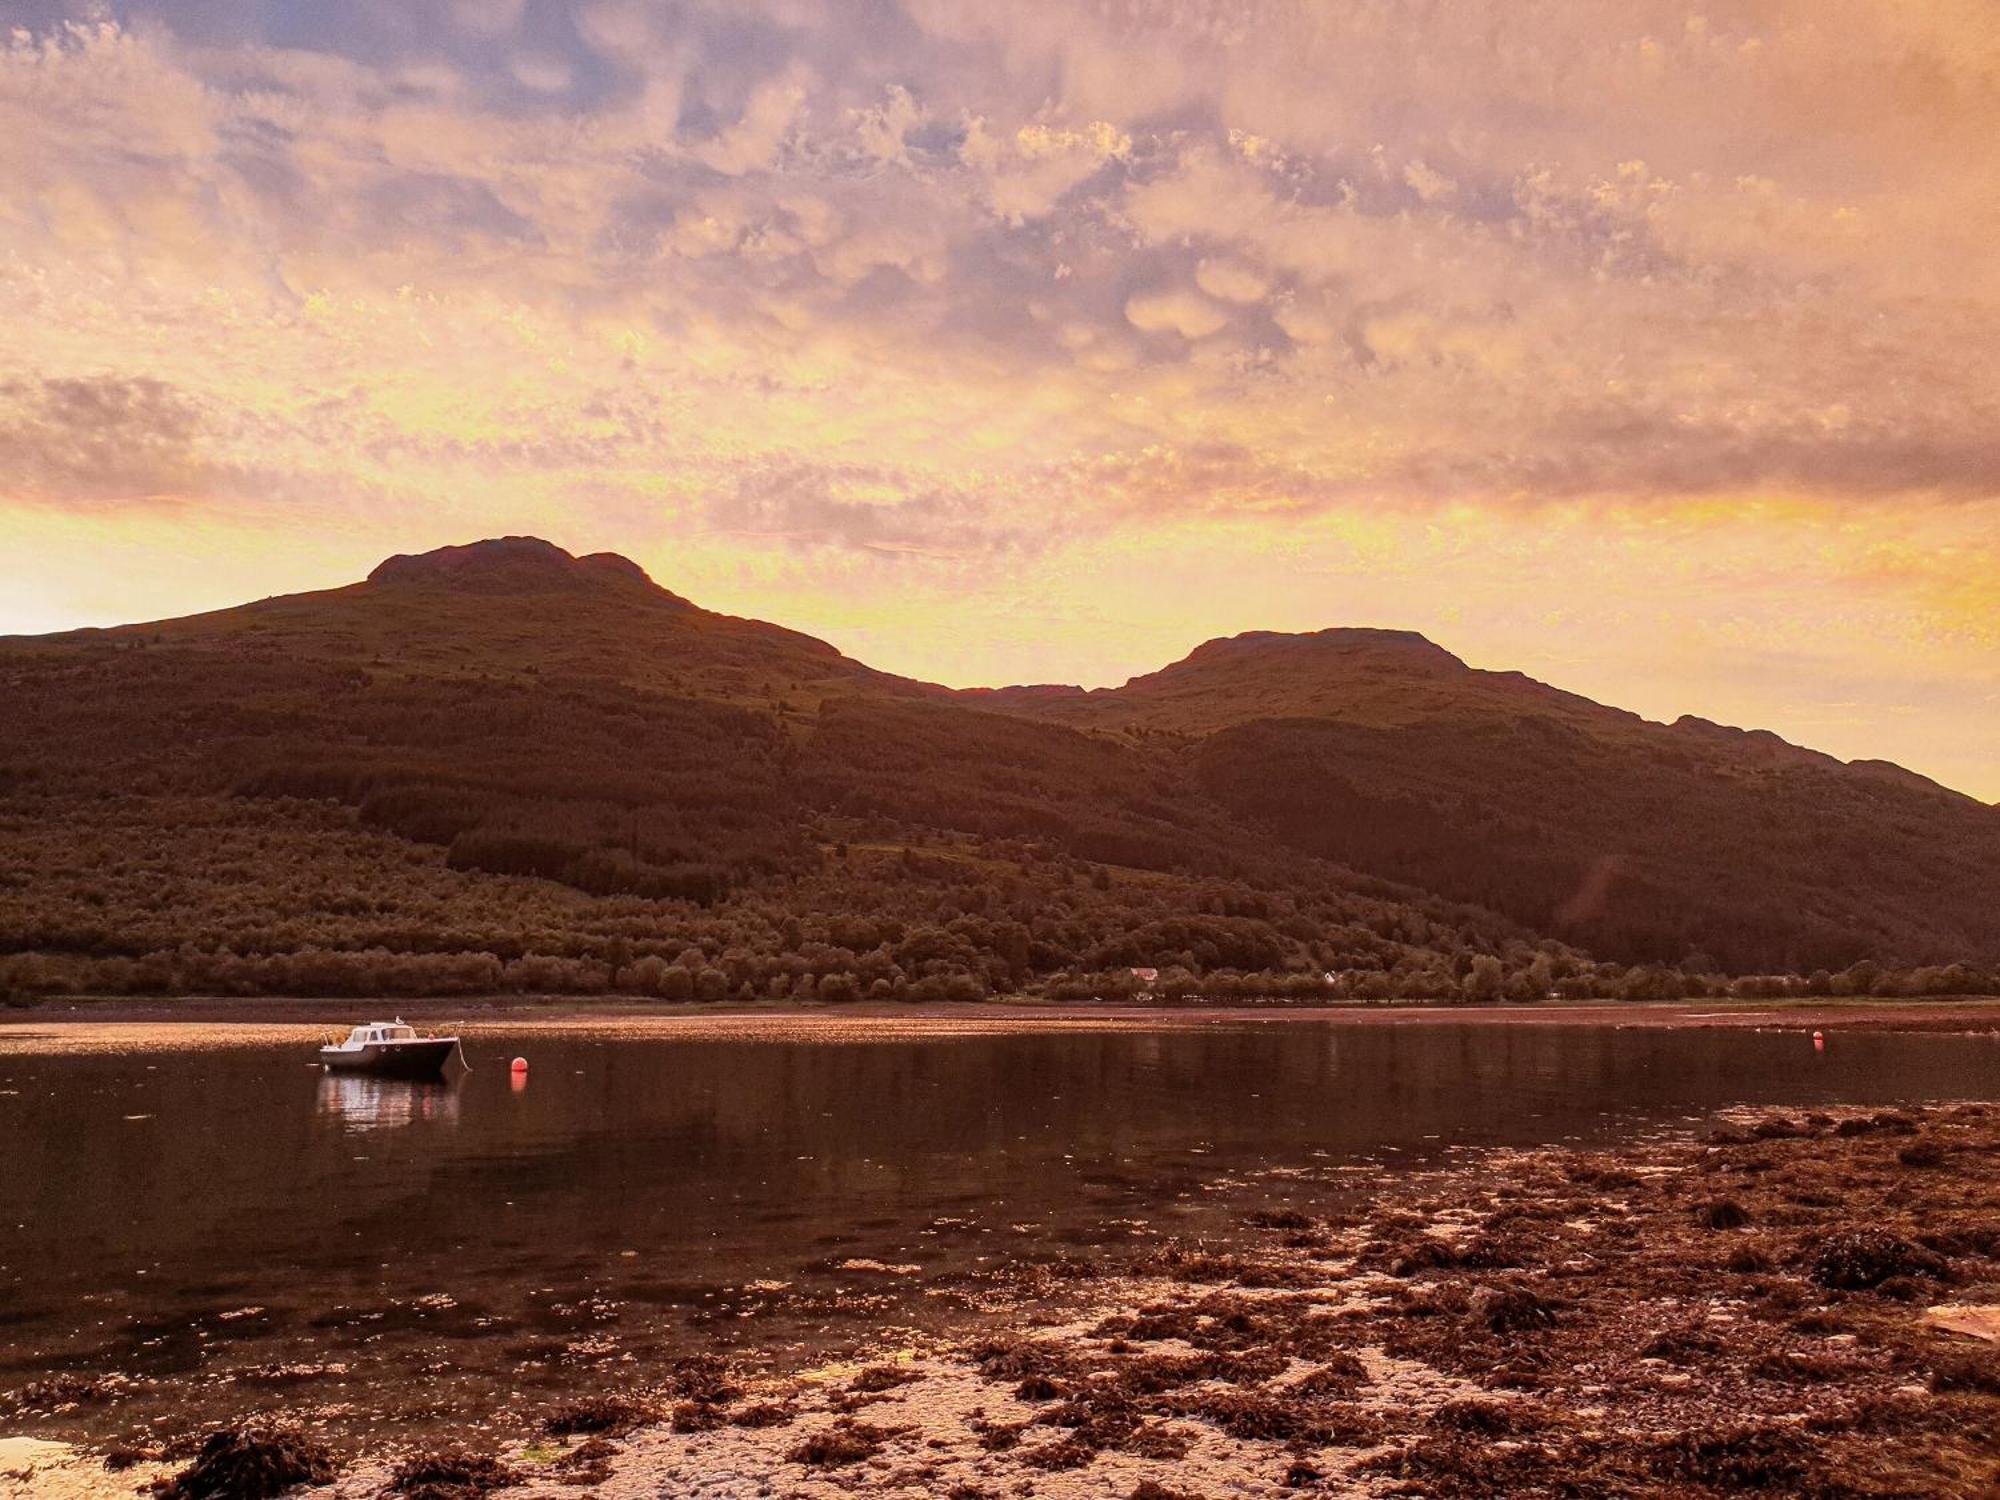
pixel 424 1058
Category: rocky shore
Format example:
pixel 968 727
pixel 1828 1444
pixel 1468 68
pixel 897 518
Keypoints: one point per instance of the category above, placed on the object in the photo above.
pixel 1787 1304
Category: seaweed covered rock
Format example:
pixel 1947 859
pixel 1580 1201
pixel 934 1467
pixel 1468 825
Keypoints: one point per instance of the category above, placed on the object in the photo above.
pixel 451 1474
pixel 1865 1259
pixel 1722 1213
pixel 846 1442
pixel 878 1378
pixel 611 1415
pixel 1511 1309
pixel 1736 1460
pixel 249 1465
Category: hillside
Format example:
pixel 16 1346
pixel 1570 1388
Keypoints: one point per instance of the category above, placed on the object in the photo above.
pixel 501 766
pixel 1638 840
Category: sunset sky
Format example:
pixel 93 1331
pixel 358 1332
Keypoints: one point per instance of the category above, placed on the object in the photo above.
pixel 1653 349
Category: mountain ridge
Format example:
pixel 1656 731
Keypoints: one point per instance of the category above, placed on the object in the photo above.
pixel 1264 802
pixel 530 564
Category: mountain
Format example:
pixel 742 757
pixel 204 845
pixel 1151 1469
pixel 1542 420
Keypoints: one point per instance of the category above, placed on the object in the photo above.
pixel 1635 839
pixel 500 765
pixel 515 607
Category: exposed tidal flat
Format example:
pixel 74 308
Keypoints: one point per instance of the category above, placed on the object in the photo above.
pixel 1003 1255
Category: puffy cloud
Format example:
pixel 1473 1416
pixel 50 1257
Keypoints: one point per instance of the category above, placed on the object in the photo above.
pixel 1027 175
pixel 752 143
pixel 884 129
pixel 859 508
pixel 1231 280
pixel 1175 309
pixel 542 73
pixel 107 440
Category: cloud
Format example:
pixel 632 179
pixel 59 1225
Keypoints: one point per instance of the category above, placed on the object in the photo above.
pixel 542 73
pixel 1027 175
pixel 858 508
pixel 1230 280
pixel 752 143
pixel 884 129
pixel 100 441
pixel 1176 310
pixel 923 285
pixel 488 17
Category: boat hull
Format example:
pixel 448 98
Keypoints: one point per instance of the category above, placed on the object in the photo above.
pixel 422 1058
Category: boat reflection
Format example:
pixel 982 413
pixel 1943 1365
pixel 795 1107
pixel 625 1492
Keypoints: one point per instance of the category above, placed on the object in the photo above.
pixel 361 1102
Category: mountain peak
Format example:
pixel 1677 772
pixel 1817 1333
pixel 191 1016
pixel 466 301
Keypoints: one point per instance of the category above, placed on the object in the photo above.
pixel 1343 639
pixel 508 564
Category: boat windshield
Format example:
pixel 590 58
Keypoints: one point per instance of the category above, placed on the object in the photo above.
pixel 380 1031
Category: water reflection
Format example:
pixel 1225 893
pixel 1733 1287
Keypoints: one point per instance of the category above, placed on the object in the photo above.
pixel 362 1103
pixel 660 1177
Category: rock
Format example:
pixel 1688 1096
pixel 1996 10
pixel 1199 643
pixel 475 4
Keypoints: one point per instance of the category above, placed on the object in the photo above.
pixel 1972 1320
pixel 1864 1260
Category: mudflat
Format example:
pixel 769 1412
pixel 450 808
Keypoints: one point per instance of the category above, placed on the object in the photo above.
pixel 1790 1302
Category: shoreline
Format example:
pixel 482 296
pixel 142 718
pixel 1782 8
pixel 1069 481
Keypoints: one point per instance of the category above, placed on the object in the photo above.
pixel 1971 1013
pixel 1780 1306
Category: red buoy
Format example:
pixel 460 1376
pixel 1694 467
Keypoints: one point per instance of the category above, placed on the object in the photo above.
pixel 1819 1041
pixel 520 1065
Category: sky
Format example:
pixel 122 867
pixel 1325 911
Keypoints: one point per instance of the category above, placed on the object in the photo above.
pixel 1652 349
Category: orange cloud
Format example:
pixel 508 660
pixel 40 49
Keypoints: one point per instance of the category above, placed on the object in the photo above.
pixel 1586 336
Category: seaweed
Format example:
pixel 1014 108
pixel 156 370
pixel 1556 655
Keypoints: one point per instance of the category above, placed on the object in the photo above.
pixel 59 1393
pixel 1486 1418
pixel 878 1378
pixel 1280 1219
pixel 451 1474
pixel 613 1415
pixel 846 1442
pixel 697 1416
pixel 589 1462
pixel 702 1377
pixel 1736 1458
pixel 1722 1213
pixel 250 1465
pixel 1864 1259
pixel 1064 1453
pixel 1511 1309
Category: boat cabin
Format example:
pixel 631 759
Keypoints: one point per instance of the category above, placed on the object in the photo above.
pixel 380 1031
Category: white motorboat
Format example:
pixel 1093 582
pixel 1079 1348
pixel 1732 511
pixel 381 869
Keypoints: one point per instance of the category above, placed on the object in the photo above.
pixel 389 1048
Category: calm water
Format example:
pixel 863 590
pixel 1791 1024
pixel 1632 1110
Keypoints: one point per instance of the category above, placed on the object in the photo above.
pixel 233 1230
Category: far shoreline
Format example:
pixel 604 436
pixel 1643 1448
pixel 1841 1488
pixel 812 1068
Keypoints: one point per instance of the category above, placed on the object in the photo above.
pixel 1979 1013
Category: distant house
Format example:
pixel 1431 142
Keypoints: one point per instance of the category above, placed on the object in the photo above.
pixel 1146 976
